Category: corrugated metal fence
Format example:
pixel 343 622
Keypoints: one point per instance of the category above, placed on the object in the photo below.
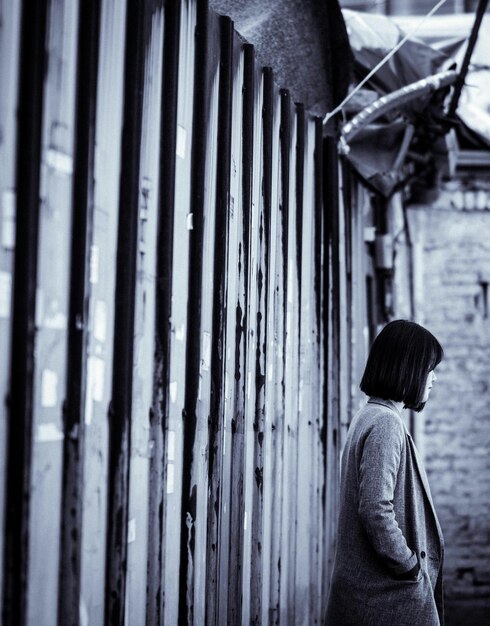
pixel 169 309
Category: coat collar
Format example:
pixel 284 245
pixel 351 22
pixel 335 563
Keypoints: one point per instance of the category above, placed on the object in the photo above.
pixel 388 403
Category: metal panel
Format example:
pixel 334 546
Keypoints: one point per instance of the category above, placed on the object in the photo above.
pixel 287 612
pixel 255 352
pixel 22 375
pixel 81 226
pixel 144 334
pixel 240 204
pixel 194 548
pixel 218 528
pixel 101 273
pixel 319 583
pixel 192 296
pixel 308 578
pixel 278 577
pixel 253 181
pixel 120 410
pixel 304 416
pixel 9 60
pixel 332 289
pixel 272 323
pixel 176 216
pixel 171 311
pixel 232 385
pixel 52 306
pixel 250 190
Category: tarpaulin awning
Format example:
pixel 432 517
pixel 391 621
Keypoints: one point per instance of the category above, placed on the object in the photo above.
pixel 378 152
pixel 449 33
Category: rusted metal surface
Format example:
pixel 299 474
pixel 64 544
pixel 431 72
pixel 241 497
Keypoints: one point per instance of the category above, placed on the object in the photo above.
pixel 9 59
pixel 178 372
pixel 144 325
pixel 21 400
pixel 169 316
pixel 201 353
pixel 332 305
pixel 53 281
pixel 101 273
pixel 81 227
pixel 121 405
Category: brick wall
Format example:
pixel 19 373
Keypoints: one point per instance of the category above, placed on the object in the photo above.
pixel 452 241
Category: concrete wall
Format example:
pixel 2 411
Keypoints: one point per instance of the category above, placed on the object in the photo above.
pixel 296 39
pixel 452 246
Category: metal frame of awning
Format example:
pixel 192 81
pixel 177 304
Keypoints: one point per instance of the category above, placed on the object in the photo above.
pixel 395 100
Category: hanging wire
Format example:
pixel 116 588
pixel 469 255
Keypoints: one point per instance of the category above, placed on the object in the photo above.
pixel 392 52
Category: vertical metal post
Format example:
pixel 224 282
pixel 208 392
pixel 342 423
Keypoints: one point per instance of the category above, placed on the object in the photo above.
pixel 165 247
pixel 73 414
pixel 122 381
pixel 299 176
pixel 20 400
pixel 201 112
pixel 318 196
pixel 260 344
pixel 217 567
pixel 218 357
pixel 332 344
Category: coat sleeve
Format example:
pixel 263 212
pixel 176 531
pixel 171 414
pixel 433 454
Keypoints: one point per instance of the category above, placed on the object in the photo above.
pixel 379 465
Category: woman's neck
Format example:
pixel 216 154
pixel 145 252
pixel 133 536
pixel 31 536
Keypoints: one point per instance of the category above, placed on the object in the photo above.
pixel 399 405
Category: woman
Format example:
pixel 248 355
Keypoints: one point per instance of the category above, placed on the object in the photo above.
pixel 388 563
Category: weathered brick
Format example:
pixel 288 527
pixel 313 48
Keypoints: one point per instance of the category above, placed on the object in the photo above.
pixel 456 259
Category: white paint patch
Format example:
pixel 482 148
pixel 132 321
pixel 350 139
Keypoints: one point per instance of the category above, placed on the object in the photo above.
pixel 83 613
pixel 206 351
pixel 5 294
pixel 181 141
pixel 96 377
pixel 173 388
pixel 8 219
pixel 59 161
pixel 55 318
pixel 227 387
pixel 94 264
pixel 369 234
pixel 132 530
pixel 89 408
pixel 290 281
pixel 180 333
pixel 100 321
pixel 190 221
pixel 49 388
pixel 48 432
pixel 170 478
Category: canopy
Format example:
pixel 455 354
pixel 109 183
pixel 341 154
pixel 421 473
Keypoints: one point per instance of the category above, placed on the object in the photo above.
pixel 378 152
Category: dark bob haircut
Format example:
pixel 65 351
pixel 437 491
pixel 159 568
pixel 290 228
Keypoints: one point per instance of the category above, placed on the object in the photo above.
pixel 401 357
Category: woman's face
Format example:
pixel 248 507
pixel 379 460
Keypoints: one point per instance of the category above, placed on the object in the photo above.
pixel 428 384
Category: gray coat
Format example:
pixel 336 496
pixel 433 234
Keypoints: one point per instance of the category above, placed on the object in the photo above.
pixel 387 523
